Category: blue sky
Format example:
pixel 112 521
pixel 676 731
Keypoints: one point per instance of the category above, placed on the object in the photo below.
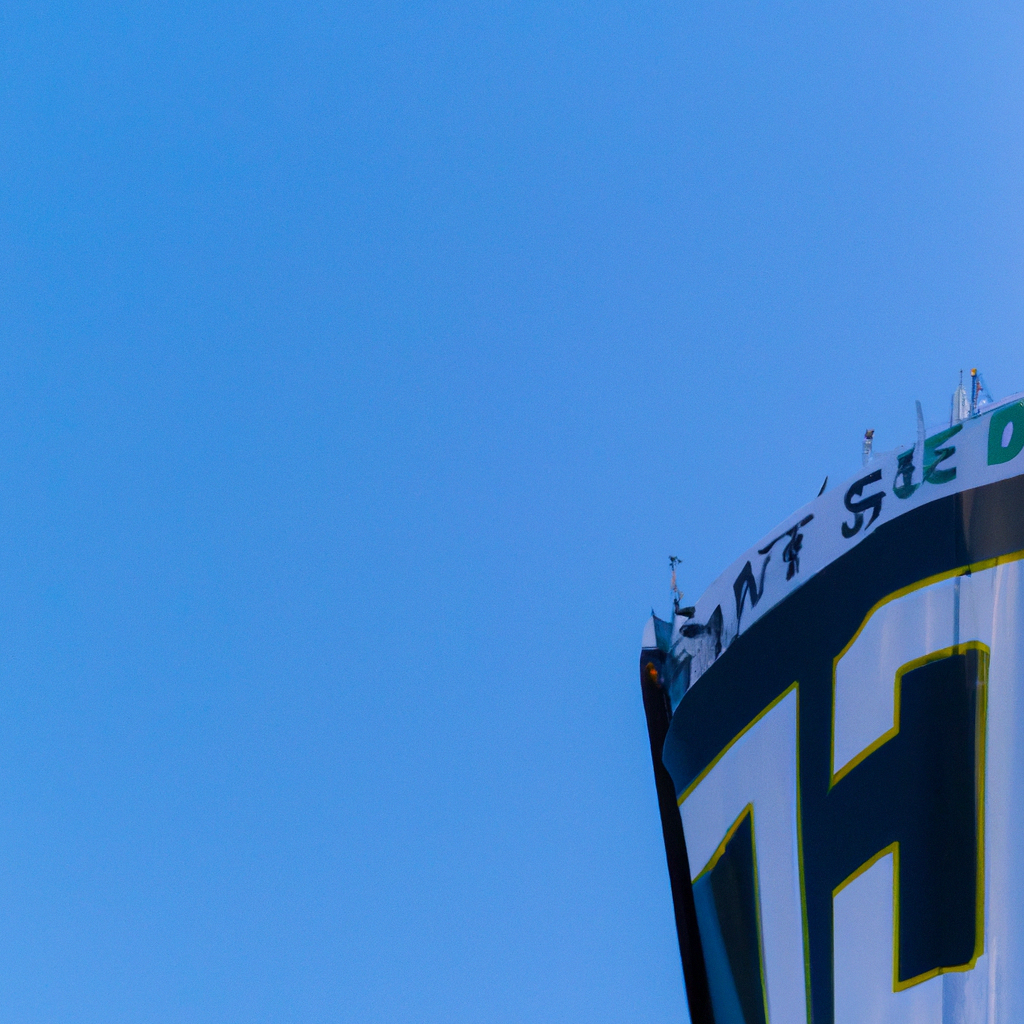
pixel 362 367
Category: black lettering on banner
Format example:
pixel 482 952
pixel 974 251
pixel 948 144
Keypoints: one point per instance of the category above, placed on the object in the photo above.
pixel 858 508
pixel 791 552
pixel 746 584
pixel 713 627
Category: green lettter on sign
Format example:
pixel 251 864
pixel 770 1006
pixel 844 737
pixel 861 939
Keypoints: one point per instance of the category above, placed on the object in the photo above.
pixel 1006 434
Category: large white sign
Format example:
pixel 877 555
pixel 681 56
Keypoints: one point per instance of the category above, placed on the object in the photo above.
pixel 847 747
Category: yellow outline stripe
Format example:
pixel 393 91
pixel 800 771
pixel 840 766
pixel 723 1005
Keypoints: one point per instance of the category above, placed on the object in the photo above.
pixel 725 750
pixel 981 727
pixel 720 849
pixel 910 666
pixel 793 687
pixel 963 570
pixel 715 858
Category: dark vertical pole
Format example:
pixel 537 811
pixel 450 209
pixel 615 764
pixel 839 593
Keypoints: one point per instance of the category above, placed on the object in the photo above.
pixel 659 714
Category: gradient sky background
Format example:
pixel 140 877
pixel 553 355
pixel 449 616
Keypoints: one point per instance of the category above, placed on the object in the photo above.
pixel 362 366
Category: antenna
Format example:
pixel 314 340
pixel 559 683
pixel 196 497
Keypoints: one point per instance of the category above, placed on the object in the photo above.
pixel 673 561
pixel 677 594
pixel 960 405
pixel 869 438
pixel 984 395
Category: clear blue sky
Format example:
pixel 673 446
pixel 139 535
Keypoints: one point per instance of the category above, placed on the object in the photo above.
pixel 362 365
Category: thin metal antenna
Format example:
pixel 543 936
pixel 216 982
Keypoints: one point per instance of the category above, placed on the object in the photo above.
pixel 869 439
pixel 677 596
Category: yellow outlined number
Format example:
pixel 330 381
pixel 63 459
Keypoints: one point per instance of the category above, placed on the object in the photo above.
pixel 983 654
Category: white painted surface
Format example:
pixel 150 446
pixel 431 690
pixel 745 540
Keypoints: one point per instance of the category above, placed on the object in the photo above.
pixel 863 928
pixel 760 769
pixel 900 631
pixel 991 611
